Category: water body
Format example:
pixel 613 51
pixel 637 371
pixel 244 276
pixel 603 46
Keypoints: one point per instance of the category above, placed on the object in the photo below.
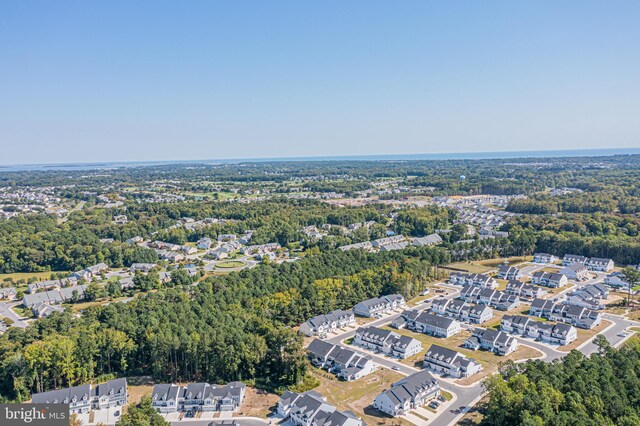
pixel 396 157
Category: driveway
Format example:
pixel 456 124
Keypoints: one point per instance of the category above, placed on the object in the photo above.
pixel 7 312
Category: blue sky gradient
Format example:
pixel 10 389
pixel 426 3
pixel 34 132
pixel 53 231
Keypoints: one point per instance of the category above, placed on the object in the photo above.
pixel 156 80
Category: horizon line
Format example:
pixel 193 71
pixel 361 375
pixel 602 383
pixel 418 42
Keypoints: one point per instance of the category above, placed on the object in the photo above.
pixel 466 155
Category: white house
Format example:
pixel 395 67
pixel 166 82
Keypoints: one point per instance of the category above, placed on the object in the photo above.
pixel 576 271
pixel 449 362
pixel 409 393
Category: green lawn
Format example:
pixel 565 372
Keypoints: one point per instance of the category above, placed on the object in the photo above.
pixel 41 276
pixel 231 264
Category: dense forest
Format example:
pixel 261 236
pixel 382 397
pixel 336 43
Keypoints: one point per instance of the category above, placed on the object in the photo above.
pixel 230 327
pixel 602 389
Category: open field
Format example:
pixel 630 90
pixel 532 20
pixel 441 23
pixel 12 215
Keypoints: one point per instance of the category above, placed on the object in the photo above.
pixel 493 263
pixel 468 267
pixel 584 335
pixel 230 264
pixel 40 276
pixel 357 396
pixel 488 360
pixel 258 403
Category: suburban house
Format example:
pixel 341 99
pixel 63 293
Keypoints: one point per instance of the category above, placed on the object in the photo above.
pixel 549 279
pixel 8 293
pixel 578 316
pixel 345 363
pixel 141 267
pixel 323 324
pixel 617 280
pixel 590 296
pixel 110 394
pixel 311 409
pixel 560 334
pixel 50 285
pixel 90 272
pixel 461 310
pixel 576 271
pixel 523 290
pixel 449 362
pixel 387 342
pixel 571 259
pixel 495 298
pixel 395 239
pixel 575 315
pixel 169 398
pixel 52 297
pixel 544 258
pixel 43 310
pixel 600 264
pixel 84 398
pixel 365 245
pixel 404 395
pixel 478 280
pixel 164 397
pixel 541 308
pixel 431 324
pixel 507 272
pixel 491 340
pixel 205 243
pixel 429 240
pixel 379 305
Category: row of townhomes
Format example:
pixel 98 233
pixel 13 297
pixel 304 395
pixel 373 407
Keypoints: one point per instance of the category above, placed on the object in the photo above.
pixel 549 279
pixel 578 316
pixel 379 305
pixel 576 272
pixel 544 258
pixel 477 280
pixel 323 324
pixel 592 263
pixel 431 324
pixel 82 399
pixel 524 290
pixel 507 272
pixel 409 393
pixel 491 340
pixel 461 310
pixel 365 245
pixel 345 363
pixel 590 296
pixel 387 342
pixel 559 334
pixel 171 398
pixel 52 297
pixel 449 362
pixel 312 409
pixel 495 298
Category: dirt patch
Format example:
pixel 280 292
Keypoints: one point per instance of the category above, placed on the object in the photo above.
pixel 584 335
pixel 358 395
pixel 258 403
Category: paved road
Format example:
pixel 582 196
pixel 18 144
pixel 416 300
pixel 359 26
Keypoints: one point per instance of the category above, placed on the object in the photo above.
pixel 6 311
pixel 242 422
pixel 467 396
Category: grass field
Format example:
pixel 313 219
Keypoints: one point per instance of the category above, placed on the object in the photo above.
pixel 468 267
pixel 358 396
pixel 230 264
pixel 488 360
pixel 584 335
pixel 41 276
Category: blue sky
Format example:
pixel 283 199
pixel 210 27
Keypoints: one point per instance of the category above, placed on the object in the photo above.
pixel 154 80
